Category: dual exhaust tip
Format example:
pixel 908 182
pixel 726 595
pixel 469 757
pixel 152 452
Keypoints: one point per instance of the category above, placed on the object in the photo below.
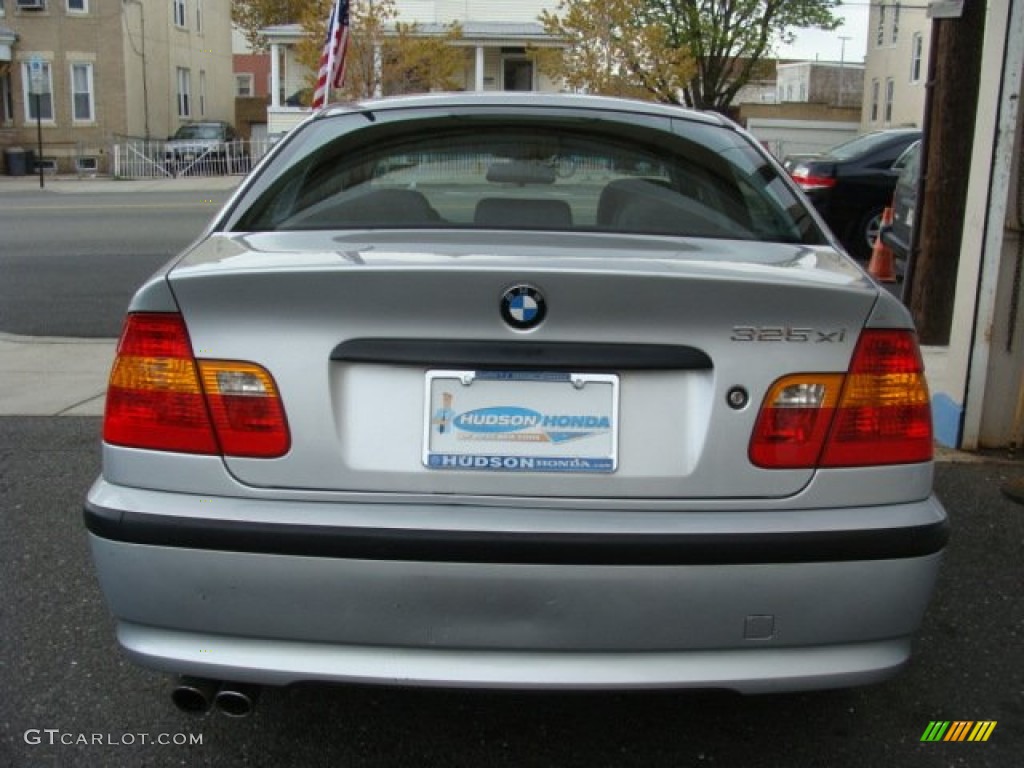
pixel 197 695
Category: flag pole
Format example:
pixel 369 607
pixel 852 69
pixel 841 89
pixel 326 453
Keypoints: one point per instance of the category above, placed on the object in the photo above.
pixel 332 59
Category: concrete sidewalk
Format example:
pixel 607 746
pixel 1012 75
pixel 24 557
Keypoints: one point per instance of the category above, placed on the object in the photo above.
pixel 106 184
pixel 41 376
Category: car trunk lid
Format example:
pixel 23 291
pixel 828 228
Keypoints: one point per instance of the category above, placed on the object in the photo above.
pixel 378 344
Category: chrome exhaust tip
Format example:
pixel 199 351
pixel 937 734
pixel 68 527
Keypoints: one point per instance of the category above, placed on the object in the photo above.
pixel 194 694
pixel 236 700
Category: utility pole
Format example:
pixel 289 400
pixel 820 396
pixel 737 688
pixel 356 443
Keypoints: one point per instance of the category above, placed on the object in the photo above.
pixel 842 65
pixel 142 55
pixel 954 69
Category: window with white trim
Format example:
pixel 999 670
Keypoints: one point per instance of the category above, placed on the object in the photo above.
pixel 44 100
pixel 184 92
pixel 180 13
pixel 875 92
pixel 917 57
pixel 83 105
pixel 880 30
pixel 244 85
pixel 78 6
pixel 199 17
pixel 890 93
pixel 895 30
pixel 202 93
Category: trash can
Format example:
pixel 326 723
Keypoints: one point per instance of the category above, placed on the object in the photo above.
pixel 16 159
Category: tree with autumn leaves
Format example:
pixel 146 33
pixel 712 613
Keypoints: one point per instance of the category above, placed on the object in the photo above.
pixel 699 53
pixel 610 50
pixel 730 39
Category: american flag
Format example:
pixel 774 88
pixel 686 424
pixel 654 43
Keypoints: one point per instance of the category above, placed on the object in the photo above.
pixel 332 60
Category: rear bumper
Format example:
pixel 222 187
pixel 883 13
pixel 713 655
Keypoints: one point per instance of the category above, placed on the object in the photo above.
pixel 743 608
pixel 281 662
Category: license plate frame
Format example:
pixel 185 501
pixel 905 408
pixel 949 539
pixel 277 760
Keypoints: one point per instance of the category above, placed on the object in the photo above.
pixel 521 421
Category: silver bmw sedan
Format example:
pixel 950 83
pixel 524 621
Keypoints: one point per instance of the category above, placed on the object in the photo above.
pixel 516 391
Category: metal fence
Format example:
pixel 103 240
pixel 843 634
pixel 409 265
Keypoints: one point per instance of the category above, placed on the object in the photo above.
pixel 142 159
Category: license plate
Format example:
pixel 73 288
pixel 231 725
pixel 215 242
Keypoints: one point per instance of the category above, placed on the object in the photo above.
pixel 521 421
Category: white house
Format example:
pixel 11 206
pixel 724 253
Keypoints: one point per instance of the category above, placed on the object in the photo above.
pixel 495 36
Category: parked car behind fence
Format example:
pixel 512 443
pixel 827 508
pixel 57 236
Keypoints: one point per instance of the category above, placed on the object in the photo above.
pixel 133 158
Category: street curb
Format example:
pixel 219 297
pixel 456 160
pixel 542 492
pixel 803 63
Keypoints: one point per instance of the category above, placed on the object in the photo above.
pixel 76 184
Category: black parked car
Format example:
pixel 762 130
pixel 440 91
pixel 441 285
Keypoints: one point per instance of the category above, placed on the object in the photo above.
pixel 904 206
pixel 852 183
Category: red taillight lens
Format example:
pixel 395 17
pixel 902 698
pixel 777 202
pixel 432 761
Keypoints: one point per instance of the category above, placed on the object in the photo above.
pixel 153 398
pixel 794 421
pixel 159 398
pixel 807 180
pixel 878 413
pixel 246 409
pixel 885 413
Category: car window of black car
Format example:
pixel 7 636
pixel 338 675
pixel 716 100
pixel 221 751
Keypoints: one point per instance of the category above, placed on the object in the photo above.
pixel 907 163
pixel 858 147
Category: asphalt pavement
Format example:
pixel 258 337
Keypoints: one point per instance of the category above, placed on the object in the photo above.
pixel 68 696
pixel 45 376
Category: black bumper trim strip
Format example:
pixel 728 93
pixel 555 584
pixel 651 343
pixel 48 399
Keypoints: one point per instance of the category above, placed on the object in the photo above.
pixel 517 548
pixel 562 356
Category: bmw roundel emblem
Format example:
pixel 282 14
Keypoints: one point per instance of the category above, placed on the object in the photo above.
pixel 523 307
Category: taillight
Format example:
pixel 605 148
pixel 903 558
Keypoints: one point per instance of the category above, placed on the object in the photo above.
pixel 808 180
pixel 160 398
pixel 246 409
pixel 877 413
pixel 884 416
pixel 794 421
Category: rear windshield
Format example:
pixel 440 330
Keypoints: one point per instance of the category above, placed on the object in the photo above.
pixel 534 176
pixel 861 145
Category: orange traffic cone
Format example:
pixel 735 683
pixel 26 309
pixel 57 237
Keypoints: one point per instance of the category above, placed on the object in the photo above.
pixel 882 266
